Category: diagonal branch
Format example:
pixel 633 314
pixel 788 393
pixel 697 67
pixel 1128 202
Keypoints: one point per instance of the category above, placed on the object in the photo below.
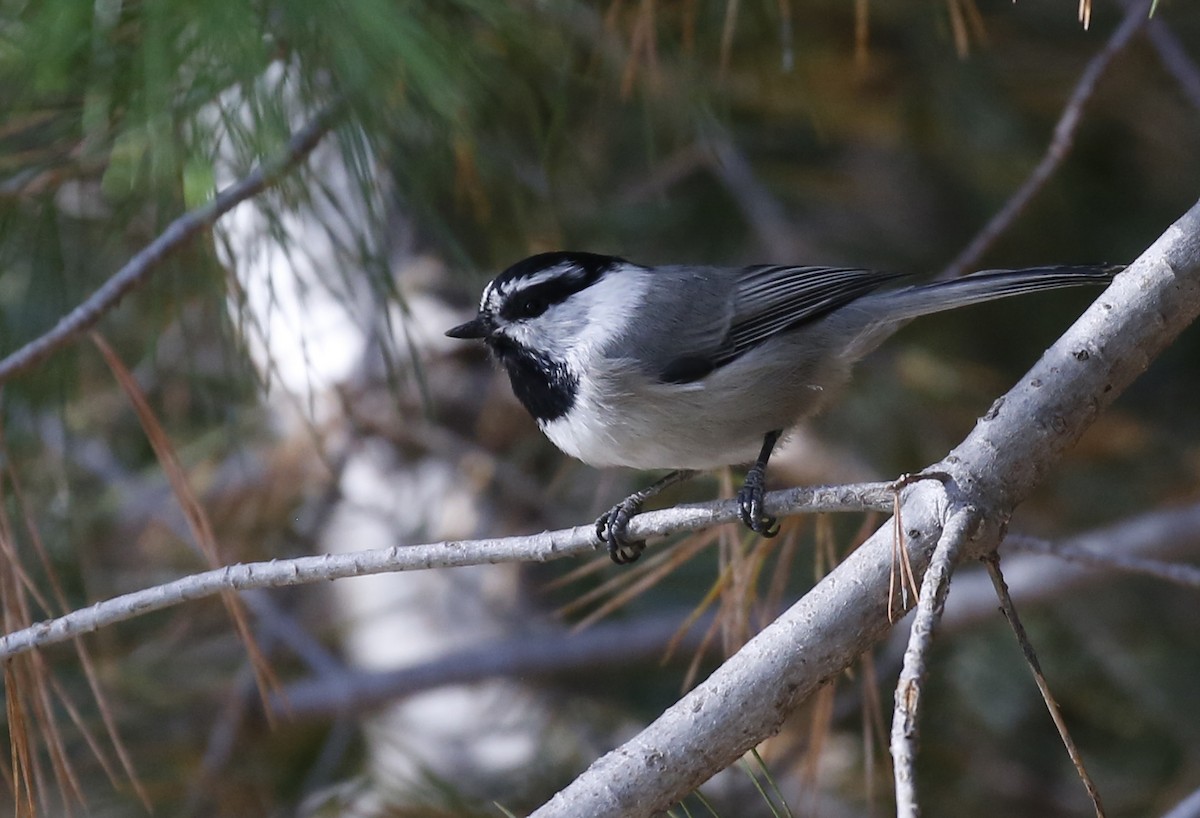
pixel 138 269
pixel 1060 144
pixel 1179 573
pixel 644 639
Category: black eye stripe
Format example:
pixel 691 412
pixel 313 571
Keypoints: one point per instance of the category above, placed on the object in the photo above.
pixel 530 302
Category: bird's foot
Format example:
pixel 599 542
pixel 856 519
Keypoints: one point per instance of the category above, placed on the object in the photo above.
pixel 750 505
pixel 611 530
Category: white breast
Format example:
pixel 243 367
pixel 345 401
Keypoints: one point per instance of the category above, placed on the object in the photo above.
pixel 623 418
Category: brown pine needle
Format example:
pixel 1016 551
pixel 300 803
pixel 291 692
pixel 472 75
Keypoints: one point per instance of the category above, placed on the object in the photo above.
pixel 975 21
pixel 618 580
pixel 641 47
pixel 583 571
pixel 193 512
pixel 85 659
pixel 773 601
pixel 731 13
pixel 688 27
pixel 820 726
pixel 12 561
pixel 670 560
pixel 693 668
pixel 7 777
pixel 738 595
pixel 651 40
pixel 862 33
pixel 902 574
pixel 89 738
pixel 24 687
pixel 713 594
pixel 874 735
pixel 18 741
pixel 958 26
pixel 60 764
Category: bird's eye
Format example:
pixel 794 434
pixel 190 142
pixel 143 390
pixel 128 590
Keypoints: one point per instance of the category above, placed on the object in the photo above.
pixel 531 306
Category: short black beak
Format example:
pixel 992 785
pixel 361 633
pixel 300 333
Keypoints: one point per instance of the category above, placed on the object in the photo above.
pixel 478 327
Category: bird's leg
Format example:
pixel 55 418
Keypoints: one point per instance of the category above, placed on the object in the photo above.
pixel 750 497
pixel 610 527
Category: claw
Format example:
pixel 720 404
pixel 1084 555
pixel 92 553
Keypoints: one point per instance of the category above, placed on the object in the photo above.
pixel 610 530
pixel 612 524
pixel 750 507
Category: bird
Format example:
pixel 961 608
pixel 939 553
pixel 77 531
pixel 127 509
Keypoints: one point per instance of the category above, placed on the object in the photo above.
pixel 691 368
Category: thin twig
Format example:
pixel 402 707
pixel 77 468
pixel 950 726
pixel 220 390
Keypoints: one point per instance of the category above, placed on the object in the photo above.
pixel 227 723
pixel 1174 58
pixel 1175 572
pixel 778 236
pixel 623 642
pixel 934 586
pixel 534 548
pixel 1161 535
pixel 992 561
pixel 138 269
pixel 1060 144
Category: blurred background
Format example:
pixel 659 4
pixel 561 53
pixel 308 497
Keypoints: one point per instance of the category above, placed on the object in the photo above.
pixel 298 395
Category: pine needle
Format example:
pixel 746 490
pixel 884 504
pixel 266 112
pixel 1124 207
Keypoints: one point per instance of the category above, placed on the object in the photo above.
pixel 193 512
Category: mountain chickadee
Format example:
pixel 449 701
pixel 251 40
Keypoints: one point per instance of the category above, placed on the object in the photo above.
pixel 690 368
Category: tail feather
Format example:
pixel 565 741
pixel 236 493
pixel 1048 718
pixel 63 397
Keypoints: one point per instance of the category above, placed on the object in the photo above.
pixel 988 285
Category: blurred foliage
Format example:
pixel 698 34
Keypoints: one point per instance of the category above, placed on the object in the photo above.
pixel 500 128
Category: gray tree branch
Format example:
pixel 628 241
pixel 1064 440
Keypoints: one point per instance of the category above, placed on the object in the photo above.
pixel 905 716
pixel 139 268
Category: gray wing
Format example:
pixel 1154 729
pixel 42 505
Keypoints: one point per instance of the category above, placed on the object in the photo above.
pixel 759 304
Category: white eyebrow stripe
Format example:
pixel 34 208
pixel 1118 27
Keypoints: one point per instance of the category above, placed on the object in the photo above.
pixel 487 293
pixel 549 274
pixel 498 293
